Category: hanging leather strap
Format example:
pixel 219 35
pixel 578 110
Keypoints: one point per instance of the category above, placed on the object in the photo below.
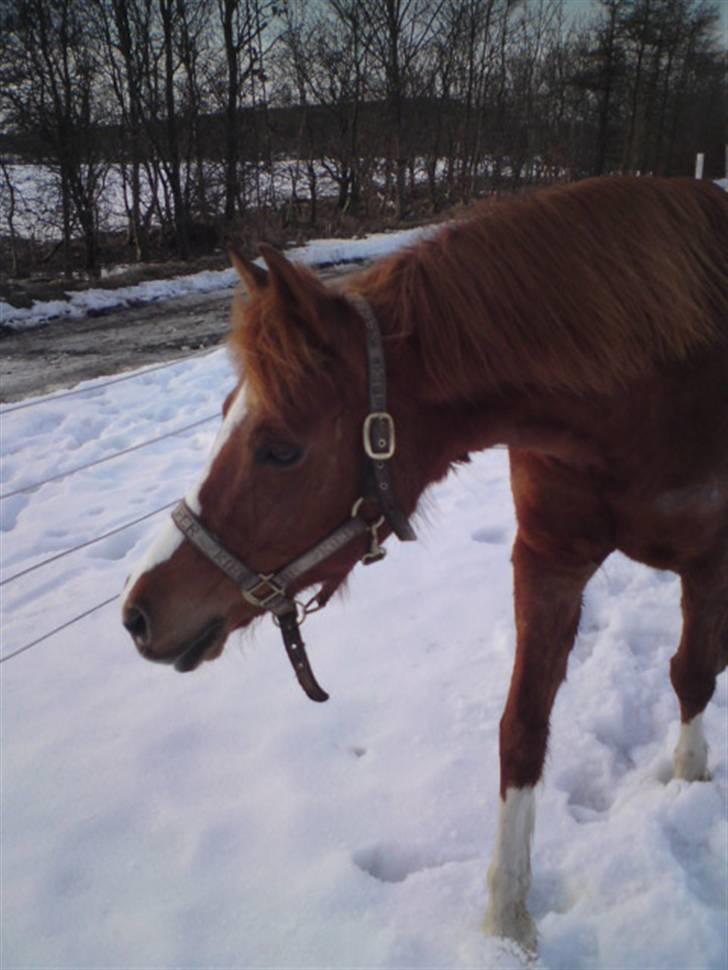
pixel 296 650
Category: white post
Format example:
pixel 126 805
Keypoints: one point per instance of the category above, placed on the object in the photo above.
pixel 699 160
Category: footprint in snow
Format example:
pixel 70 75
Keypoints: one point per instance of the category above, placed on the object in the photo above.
pixel 116 547
pixel 393 862
pixel 493 535
pixel 552 892
pixel 590 792
pixel 43 422
pixel 588 804
pixel 10 510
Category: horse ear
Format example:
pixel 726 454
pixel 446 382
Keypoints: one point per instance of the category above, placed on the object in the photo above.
pixel 254 277
pixel 299 290
pixel 311 307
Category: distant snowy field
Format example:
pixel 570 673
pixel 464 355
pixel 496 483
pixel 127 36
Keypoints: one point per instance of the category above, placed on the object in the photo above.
pixel 221 820
pixel 37 212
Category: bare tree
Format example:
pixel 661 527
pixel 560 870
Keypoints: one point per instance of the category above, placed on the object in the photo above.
pixel 192 101
pixel 54 93
pixel 606 74
pixel 327 55
pixel 402 31
pixel 7 189
pixel 244 25
pixel 124 28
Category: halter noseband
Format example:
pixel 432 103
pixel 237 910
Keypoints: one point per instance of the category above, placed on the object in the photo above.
pixel 268 591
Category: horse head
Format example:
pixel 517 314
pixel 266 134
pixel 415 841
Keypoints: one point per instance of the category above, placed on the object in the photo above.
pixel 304 479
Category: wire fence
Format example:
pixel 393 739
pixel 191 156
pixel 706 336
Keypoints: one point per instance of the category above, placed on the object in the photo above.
pixel 75 392
pixel 62 555
pixel 100 461
pixel 89 542
pixel 132 375
pixel 63 626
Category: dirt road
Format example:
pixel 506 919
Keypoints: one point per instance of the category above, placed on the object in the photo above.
pixel 63 353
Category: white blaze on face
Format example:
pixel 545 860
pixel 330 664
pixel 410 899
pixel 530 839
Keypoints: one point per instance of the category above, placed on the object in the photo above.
pixel 236 412
pixel 169 538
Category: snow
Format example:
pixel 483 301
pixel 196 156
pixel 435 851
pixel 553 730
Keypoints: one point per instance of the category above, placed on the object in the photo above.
pixel 317 252
pixel 220 819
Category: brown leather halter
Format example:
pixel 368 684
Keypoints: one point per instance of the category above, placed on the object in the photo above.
pixel 268 591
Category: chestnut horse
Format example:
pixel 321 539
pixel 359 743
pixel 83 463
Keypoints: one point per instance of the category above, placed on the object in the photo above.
pixel 585 327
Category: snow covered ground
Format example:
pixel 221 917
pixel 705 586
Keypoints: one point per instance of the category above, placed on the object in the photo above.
pixel 315 253
pixel 154 820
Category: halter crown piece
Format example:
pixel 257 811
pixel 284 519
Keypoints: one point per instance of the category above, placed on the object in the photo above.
pixel 268 591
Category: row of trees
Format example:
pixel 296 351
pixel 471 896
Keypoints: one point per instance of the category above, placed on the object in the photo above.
pixel 196 105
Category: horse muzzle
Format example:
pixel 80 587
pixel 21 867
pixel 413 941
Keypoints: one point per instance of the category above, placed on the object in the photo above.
pixel 206 644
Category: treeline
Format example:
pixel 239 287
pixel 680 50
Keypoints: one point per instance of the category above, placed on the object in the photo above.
pixel 207 116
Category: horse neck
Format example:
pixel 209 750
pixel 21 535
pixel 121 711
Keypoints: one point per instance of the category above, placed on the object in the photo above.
pixel 521 297
pixel 456 386
pixel 435 307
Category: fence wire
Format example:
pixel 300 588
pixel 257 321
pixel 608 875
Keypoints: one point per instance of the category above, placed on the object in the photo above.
pixel 100 461
pixel 63 626
pixel 49 399
pixel 89 542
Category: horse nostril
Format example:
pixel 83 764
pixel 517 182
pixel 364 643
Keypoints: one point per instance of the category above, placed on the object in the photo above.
pixel 137 623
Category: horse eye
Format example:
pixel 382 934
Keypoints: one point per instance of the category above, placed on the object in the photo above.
pixel 279 453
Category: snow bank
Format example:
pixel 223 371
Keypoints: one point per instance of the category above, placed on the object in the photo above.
pixel 221 820
pixel 317 252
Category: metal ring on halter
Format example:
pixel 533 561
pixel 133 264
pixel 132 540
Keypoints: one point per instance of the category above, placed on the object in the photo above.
pixel 355 511
pixel 301 613
pixel 303 609
pixel 308 606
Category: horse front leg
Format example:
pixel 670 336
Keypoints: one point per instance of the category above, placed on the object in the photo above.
pixel 701 656
pixel 547 605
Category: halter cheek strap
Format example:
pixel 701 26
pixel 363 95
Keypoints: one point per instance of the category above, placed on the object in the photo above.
pixel 269 591
pixel 378 433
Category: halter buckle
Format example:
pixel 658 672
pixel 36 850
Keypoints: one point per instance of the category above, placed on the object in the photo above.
pixel 263 602
pixel 385 444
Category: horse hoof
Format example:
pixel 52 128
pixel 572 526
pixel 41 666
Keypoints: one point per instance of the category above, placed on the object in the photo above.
pixel 690 762
pixel 689 776
pixel 512 923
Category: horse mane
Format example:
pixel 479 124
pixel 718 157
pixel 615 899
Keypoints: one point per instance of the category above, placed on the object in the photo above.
pixel 281 350
pixel 580 287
